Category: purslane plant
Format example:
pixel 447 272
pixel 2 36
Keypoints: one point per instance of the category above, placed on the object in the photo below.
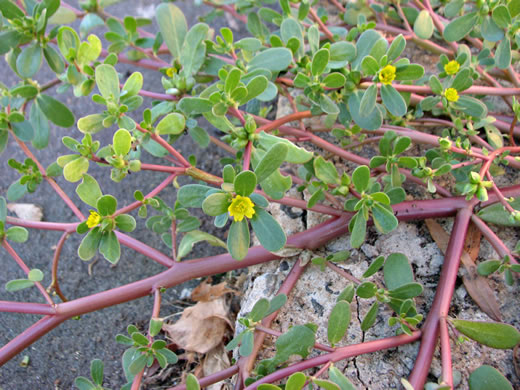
pixel 354 76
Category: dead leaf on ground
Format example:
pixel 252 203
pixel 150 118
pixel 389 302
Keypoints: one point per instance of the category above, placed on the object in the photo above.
pixel 201 327
pixel 476 286
pixel 205 291
pixel 26 211
pixel 215 360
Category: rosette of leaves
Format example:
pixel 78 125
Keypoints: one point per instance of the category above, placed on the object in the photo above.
pixel 216 203
pixel 27 30
pixel 120 155
pixel 372 203
pixel 96 373
pixel 400 290
pixel 28 183
pixel 144 351
pixel 495 22
pixel 75 165
pixel 101 236
pixel 116 101
pixel 82 58
pixel 451 101
pixel 125 35
pixel 261 309
pixel 390 147
pixel 385 67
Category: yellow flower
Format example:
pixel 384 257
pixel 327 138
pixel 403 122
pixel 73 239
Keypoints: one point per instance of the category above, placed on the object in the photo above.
pixel 387 74
pixel 170 72
pixel 93 219
pixel 452 67
pixel 451 94
pixel 241 206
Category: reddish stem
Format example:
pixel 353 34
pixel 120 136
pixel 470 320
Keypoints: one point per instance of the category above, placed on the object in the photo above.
pixel 27 308
pixel 447 373
pixel 26 269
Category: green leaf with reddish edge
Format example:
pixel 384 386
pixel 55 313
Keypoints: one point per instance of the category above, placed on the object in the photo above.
pixel 193 237
pixel 268 230
pixel 339 320
pixel 55 111
pixel 238 239
pixel 90 244
pixel 106 205
pixel 109 247
pixel 397 271
pixel 245 183
pixel 488 378
pixel 216 204
pixel 173 26
pixel 493 334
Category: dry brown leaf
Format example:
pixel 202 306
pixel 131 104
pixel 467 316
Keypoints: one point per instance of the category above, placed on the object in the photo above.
pixel 205 291
pixel 476 285
pixel 472 243
pixel 215 360
pixel 26 211
pixel 201 327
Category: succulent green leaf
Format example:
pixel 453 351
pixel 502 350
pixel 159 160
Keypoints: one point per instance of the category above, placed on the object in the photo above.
pixel 55 111
pixel 326 171
pixel 393 100
pixel 29 60
pixel 271 161
pixel 109 247
pixel 173 26
pixel 370 317
pixel 460 27
pixel 106 205
pixel 493 334
pixel 238 239
pixel 90 244
pixel 173 123
pixel 488 378
pixel 423 25
pixel 268 230
pixel 397 271
pixel 17 234
pixel 75 169
pixel 122 142
pixel 194 237
pixel 339 320
pixel 216 204
pixel 107 81
pixel 274 59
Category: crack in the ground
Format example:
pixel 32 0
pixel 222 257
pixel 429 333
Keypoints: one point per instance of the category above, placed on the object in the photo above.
pixel 354 360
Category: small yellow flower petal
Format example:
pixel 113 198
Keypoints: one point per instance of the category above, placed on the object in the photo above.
pixel 241 206
pixel 170 72
pixel 387 74
pixel 93 219
pixel 451 94
pixel 452 67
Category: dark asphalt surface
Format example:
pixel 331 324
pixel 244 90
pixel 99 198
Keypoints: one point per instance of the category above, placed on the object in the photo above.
pixel 65 353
